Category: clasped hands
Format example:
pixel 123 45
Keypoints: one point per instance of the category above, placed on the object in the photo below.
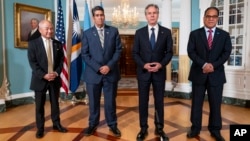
pixel 104 70
pixel 208 68
pixel 152 67
pixel 50 76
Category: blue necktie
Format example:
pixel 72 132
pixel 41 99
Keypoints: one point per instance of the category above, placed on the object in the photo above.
pixel 152 38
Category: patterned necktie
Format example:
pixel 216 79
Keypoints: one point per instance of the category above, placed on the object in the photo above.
pixel 101 37
pixel 152 38
pixel 210 38
pixel 49 56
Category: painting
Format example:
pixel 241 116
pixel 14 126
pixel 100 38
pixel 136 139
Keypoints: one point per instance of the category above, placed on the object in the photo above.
pixel 175 36
pixel 23 15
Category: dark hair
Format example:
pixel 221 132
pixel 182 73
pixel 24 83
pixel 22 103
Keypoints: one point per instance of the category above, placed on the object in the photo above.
pixel 151 5
pixel 96 8
pixel 214 8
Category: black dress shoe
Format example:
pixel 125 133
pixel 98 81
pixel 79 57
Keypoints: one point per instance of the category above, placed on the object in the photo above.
pixel 217 136
pixel 39 134
pixel 60 128
pixel 142 135
pixel 162 135
pixel 115 131
pixel 90 130
pixel 192 134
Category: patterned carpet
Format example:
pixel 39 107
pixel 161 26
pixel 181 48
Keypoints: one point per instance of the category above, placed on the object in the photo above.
pixel 127 83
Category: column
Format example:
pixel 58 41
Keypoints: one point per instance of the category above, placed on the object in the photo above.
pixel 166 21
pixel 4 83
pixel 184 61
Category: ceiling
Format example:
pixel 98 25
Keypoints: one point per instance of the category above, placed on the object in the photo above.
pixel 139 4
pixel 133 3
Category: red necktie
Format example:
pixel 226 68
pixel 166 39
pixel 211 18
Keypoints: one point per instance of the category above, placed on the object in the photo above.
pixel 210 38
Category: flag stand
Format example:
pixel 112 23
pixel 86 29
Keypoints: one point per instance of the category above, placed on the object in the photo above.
pixel 84 100
pixel 74 100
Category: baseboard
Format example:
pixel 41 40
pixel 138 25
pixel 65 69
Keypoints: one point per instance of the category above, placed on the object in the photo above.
pixel 28 98
pixel 2 105
pixel 225 100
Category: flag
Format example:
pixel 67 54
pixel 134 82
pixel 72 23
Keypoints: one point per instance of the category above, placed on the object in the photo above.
pixel 60 35
pixel 86 25
pixel 86 22
pixel 76 60
pixel 101 4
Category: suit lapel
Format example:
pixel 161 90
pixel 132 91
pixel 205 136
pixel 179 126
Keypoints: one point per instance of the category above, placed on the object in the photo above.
pixel 54 47
pixel 96 35
pixel 42 47
pixel 106 35
pixel 145 36
pixel 216 37
pixel 204 37
pixel 159 36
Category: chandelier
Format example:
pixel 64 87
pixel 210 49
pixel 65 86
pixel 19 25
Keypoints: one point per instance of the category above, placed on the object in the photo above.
pixel 123 16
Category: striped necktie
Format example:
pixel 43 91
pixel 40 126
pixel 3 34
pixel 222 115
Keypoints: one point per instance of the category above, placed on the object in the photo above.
pixel 210 38
pixel 100 32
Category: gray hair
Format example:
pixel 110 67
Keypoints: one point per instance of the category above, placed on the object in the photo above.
pixel 151 5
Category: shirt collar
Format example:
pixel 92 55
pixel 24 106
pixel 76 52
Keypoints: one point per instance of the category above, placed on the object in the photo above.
pixel 99 28
pixel 156 27
pixel 44 39
pixel 206 29
pixel 34 29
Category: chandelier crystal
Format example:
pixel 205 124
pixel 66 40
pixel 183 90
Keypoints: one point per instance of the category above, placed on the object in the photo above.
pixel 123 16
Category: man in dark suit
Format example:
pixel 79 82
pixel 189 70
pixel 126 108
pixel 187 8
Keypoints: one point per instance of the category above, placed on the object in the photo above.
pixel 101 51
pixel 45 56
pixel 34 33
pixel 151 57
pixel 208 53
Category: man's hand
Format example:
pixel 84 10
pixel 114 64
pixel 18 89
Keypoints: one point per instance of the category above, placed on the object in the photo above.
pixel 104 70
pixel 50 76
pixel 152 67
pixel 208 68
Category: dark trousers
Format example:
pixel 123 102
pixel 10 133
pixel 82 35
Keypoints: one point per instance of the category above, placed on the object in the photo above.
pixel 110 92
pixel 158 93
pixel 40 98
pixel 214 94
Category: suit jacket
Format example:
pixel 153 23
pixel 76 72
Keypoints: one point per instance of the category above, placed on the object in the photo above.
pixel 95 56
pixel 39 63
pixel 142 52
pixel 199 53
pixel 35 35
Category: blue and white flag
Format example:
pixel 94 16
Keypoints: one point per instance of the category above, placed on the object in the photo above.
pixel 76 60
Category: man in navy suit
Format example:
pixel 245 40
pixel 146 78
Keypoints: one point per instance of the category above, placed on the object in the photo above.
pixel 101 52
pixel 46 75
pixel 34 33
pixel 152 51
pixel 207 72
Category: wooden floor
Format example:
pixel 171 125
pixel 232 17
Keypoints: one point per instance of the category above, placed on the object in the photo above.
pixel 18 123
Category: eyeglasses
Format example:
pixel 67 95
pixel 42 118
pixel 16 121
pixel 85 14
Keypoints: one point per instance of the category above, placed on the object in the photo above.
pixel 211 16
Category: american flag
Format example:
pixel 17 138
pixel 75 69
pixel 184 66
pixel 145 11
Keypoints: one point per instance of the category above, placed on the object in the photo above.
pixel 60 35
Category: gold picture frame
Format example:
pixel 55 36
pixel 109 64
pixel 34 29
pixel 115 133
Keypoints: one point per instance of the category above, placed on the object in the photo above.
pixel 23 15
pixel 175 36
